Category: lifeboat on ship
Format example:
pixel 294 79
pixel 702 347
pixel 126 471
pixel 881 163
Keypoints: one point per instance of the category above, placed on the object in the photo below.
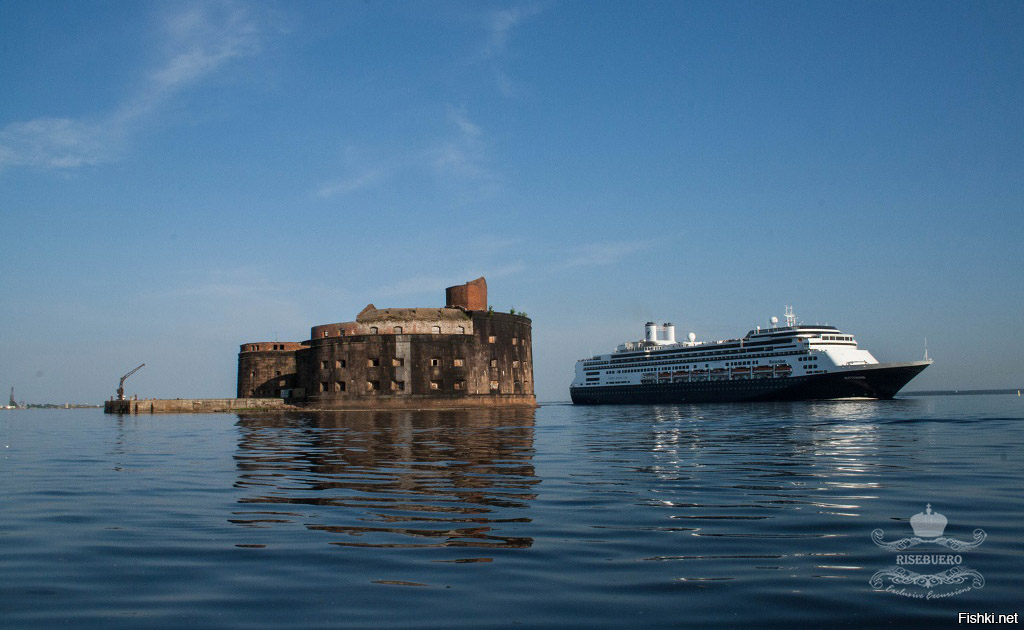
pixel 741 372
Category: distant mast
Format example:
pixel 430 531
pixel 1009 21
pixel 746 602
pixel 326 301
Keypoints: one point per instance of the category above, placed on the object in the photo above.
pixel 13 404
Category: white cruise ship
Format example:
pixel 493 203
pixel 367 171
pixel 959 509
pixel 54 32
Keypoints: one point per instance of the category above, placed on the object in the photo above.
pixel 791 362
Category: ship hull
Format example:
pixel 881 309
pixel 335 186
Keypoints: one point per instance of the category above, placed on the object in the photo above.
pixel 881 381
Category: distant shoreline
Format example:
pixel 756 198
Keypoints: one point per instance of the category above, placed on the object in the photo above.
pixel 23 406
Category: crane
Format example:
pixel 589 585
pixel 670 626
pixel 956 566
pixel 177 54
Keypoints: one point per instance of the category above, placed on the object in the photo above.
pixel 120 386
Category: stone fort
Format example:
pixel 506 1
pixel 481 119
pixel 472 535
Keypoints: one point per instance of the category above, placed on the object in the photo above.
pixel 461 355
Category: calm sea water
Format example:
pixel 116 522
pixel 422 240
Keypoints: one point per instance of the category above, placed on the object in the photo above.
pixel 704 516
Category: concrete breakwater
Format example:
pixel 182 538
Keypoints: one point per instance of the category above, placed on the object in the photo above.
pixel 193 405
pixel 215 405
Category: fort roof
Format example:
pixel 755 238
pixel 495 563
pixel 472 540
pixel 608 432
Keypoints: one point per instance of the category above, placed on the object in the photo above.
pixel 373 314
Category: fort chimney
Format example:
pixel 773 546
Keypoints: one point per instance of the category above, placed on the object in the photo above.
pixel 471 296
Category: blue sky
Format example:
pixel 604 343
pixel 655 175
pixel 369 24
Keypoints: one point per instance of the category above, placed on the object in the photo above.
pixel 180 178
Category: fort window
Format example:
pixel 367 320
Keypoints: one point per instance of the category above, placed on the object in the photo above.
pixel 252 374
pixel 373 330
pixel 515 364
pixel 397 362
pixel 326 333
pixel 323 365
pixel 459 385
pixel 459 362
pixel 518 387
pixel 372 386
pixel 281 383
pixel 277 373
pixel 398 330
pixel 324 386
pixel 436 330
pixel 491 339
pixel 397 385
pixel 435 384
pixel 340 363
pixel 494 363
pixel 515 341
pixel 494 386
pixel 462 330
pixel 435 362
pixel 373 362
pixel 339 386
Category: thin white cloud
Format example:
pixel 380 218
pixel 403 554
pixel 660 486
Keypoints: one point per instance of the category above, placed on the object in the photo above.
pixel 351 184
pixel 453 158
pixel 501 24
pixel 459 157
pixel 463 154
pixel 200 40
pixel 434 284
pixel 491 243
pixel 500 27
pixel 57 143
pixel 468 128
pixel 594 254
pixel 414 285
pixel 227 283
pixel 204 38
pixel 511 269
pixel 506 86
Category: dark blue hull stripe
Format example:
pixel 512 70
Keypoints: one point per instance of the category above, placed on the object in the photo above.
pixel 875 382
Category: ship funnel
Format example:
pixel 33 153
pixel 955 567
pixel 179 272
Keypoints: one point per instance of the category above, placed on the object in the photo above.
pixel 651 333
pixel 670 332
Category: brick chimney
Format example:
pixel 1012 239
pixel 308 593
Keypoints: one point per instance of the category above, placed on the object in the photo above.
pixel 471 296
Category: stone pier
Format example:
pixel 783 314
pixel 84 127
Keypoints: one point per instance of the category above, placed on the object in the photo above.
pixel 194 405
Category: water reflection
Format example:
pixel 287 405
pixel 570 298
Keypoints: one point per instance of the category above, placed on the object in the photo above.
pixel 833 438
pixel 753 474
pixel 402 479
pixel 743 489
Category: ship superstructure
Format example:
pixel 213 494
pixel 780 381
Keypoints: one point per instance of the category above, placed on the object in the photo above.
pixel 790 362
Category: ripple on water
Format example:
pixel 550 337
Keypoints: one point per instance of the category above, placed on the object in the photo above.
pixel 706 516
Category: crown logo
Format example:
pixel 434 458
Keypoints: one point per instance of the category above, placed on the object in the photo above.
pixel 928 524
